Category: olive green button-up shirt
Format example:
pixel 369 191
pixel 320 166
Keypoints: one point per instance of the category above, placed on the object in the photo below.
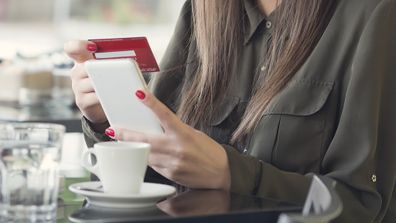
pixel 336 118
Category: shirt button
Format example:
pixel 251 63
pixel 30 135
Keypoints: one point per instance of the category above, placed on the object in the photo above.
pixel 263 68
pixel 268 24
pixel 374 178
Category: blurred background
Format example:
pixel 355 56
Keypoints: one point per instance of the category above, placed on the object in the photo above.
pixel 33 67
pixel 32 27
pixel 34 72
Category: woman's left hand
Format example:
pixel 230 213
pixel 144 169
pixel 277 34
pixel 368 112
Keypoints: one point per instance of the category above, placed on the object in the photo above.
pixel 183 154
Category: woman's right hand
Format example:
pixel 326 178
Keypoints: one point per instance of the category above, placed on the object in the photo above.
pixel 85 96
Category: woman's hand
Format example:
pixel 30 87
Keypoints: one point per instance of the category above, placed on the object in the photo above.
pixel 86 99
pixel 183 154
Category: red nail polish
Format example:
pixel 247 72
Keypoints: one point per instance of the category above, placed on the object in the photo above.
pixel 110 132
pixel 140 94
pixel 91 47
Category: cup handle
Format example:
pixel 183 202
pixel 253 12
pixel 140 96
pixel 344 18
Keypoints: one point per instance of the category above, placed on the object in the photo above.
pixel 85 162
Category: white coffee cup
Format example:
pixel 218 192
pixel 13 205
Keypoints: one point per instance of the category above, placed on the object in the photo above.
pixel 120 166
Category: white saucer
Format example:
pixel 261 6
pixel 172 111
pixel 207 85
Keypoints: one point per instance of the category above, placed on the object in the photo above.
pixel 150 194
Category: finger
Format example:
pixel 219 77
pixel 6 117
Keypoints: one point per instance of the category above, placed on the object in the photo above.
pixel 159 143
pixel 167 118
pixel 85 101
pixel 161 170
pixel 84 86
pixel 80 50
pixel 128 135
pixel 158 160
pixel 78 72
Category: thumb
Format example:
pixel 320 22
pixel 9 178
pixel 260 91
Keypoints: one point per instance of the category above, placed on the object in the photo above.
pixel 80 50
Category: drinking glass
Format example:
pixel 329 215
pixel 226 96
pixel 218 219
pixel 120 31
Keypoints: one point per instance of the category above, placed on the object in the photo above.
pixel 29 158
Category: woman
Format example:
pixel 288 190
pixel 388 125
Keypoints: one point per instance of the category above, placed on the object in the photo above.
pixel 256 104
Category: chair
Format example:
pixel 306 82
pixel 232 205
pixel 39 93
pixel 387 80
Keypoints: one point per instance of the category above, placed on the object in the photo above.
pixel 322 204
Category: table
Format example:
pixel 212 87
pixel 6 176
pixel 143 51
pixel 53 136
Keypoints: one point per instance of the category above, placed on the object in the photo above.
pixel 190 206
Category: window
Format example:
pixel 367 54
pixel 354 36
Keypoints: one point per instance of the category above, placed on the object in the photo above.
pixel 34 27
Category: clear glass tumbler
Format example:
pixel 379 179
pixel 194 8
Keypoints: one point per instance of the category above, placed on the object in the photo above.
pixel 30 154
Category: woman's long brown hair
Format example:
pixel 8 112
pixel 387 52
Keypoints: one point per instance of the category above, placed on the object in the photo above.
pixel 218 31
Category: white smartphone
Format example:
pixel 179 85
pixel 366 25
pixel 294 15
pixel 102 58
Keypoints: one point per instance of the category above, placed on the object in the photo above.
pixel 115 82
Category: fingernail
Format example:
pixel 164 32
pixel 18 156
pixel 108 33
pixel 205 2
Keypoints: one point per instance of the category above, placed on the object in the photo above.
pixel 91 47
pixel 110 132
pixel 140 94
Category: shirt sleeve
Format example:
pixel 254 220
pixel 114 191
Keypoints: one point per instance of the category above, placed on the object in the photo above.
pixel 361 155
pixel 91 136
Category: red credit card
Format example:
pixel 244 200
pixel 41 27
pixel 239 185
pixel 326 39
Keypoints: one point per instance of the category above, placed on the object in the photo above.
pixel 136 48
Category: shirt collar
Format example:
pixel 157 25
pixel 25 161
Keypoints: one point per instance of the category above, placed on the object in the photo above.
pixel 255 18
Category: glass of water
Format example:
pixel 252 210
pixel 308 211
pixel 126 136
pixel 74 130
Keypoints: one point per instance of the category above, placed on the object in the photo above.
pixel 29 174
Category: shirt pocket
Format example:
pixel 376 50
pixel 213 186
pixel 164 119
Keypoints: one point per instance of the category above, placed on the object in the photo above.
pixel 301 116
pixel 224 120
